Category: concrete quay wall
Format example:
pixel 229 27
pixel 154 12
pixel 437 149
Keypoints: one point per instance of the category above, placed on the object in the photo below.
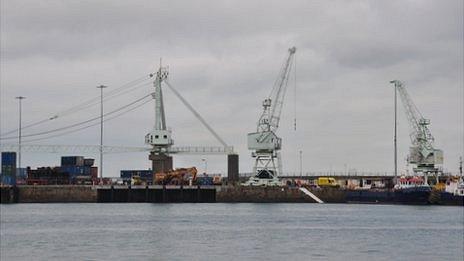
pixel 275 195
pixel 57 194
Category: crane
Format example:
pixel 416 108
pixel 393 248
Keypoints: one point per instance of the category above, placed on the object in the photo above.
pixel 264 143
pixel 160 137
pixel 422 152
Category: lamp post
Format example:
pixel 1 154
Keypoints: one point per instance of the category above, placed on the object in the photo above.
pixel 101 87
pixel 395 82
pixel 20 98
pixel 301 163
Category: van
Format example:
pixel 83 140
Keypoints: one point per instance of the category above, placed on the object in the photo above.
pixel 327 182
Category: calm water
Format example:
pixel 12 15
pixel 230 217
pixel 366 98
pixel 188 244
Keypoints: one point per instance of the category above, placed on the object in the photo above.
pixel 230 232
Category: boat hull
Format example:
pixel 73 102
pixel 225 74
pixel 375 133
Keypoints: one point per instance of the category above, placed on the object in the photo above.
pixel 413 195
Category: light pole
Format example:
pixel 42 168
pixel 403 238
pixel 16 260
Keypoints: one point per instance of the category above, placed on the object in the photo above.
pixel 20 98
pixel 395 82
pixel 206 164
pixel 101 87
pixel 301 163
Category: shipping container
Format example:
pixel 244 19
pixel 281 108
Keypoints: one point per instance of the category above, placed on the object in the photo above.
pixel 8 170
pixel 21 173
pixel 204 181
pixel 8 180
pixel 9 159
pixel 94 172
pixel 87 170
pixel 47 175
pixel 72 161
pixel 145 175
pixel 89 162
pixel 75 170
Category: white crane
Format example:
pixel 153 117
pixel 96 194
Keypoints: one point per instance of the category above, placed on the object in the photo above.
pixel 422 152
pixel 264 143
pixel 159 140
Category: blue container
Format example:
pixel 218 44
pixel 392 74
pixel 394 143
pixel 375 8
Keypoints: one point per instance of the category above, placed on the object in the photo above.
pixel 126 174
pixel 8 158
pixel 8 170
pixel 74 170
pixel 86 170
pixel 143 174
pixel 8 180
pixel 21 173
pixel 72 161
pixel 204 181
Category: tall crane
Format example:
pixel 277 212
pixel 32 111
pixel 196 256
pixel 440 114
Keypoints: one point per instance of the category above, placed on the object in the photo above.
pixel 422 152
pixel 160 137
pixel 159 140
pixel 264 143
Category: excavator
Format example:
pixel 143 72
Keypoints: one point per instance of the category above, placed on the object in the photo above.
pixel 180 176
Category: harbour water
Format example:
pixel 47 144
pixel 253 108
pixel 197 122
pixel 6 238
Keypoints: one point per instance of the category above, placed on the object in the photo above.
pixel 230 232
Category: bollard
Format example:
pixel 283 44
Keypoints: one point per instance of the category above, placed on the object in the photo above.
pixel 112 194
pixel 164 194
pixel 146 194
pixel 182 193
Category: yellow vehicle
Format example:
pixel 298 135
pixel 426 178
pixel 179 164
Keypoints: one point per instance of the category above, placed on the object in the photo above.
pixel 440 186
pixel 327 182
pixel 136 180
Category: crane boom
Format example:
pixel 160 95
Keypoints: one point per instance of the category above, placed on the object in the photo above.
pixel 272 105
pixel 422 151
pixel 276 107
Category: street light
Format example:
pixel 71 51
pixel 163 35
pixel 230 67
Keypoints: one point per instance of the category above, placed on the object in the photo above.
pixel 101 87
pixel 20 98
pixel 206 164
pixel 396 83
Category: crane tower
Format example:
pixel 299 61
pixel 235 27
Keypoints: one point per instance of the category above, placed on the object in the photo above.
pixel 422 152
pixel 264 143
pixel 160 138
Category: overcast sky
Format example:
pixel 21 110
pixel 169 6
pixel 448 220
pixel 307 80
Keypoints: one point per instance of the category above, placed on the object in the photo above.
pixel 224 57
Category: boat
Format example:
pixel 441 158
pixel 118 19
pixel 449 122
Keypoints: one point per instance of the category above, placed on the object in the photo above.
pixel 453 193
pixel 412 190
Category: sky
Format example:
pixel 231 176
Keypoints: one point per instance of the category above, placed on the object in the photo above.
pixel 224 57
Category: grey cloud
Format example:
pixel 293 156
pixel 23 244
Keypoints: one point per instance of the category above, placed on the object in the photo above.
pixel 224 57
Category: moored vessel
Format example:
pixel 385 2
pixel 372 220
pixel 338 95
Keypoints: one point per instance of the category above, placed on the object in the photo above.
pixel 412 190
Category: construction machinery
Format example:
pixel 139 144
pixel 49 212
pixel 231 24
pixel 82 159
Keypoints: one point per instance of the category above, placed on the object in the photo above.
pixel 422 152
pixel 180 176
pixel 136 180
pixel 264 143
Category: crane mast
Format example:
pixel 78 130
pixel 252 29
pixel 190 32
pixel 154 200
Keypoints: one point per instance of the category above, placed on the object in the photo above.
pixel 264 143
pixel 422 152
pixel 160 137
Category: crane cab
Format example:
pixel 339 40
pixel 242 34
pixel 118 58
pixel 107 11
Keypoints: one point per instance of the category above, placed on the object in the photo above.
pixel 159 138
pixel 264 141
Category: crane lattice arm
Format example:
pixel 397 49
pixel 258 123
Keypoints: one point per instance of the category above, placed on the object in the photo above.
pixel 270 118
pixel 94 149
pixel 420 135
